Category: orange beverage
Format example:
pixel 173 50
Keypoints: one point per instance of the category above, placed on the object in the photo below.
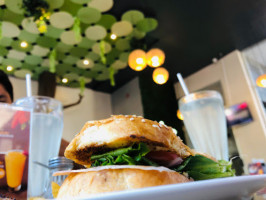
pixel 15 161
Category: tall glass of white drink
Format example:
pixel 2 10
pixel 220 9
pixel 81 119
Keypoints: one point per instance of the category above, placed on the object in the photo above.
pixel 45 139
pixel 205 122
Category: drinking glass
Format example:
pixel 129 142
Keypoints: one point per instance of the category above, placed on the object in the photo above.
pixel 15 162
pixel 205 121
pixel 45 139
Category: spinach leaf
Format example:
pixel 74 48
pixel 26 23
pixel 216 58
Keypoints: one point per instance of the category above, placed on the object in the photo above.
pixel 133 155
pixel 199 168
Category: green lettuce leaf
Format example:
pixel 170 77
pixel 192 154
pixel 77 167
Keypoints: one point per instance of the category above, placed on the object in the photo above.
pixel 200 168
pixel 133 155
pixel 197 167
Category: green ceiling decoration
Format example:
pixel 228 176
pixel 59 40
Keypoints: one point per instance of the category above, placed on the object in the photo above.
pixel 71 38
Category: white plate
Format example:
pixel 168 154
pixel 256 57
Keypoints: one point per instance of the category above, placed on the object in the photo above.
pixel 241 187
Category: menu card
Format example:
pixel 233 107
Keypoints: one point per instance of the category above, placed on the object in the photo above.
pixel 14 151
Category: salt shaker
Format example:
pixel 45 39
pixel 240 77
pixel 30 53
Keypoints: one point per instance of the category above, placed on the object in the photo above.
pixel 57 164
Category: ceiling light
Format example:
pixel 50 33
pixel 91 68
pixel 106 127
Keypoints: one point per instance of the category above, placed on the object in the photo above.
pixel 113 36
pixel 160 75
pixel 9 68
pixel 23 44
pixel 261 81
pixel 155 61
pixel 86 62
pixel 155 57
pixel 64 80
pixel 137 60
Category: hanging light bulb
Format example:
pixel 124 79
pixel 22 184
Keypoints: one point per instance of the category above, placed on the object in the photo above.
pixel 160 75
pixel 137 60
pixel 155 57
pixel 261 81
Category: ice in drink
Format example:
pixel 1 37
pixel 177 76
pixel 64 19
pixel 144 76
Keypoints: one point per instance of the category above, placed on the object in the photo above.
pixel 45 142
pixel 15 162
pixel 205 122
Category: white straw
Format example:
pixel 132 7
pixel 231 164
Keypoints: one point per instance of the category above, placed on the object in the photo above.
pixel 28 85
pixel 182 83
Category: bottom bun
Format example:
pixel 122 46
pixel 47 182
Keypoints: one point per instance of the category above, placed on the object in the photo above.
pixel 89 183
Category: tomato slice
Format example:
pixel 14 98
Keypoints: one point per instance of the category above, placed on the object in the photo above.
pixel 164 158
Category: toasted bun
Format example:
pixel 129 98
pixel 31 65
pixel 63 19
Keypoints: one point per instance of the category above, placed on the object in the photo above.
pixel 117 178
pixel 121 131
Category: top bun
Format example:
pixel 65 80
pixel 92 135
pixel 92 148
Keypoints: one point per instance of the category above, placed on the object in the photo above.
pixel 121 131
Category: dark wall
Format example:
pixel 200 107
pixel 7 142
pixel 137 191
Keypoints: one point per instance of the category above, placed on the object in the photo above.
pixel 159 101
pixel 47 84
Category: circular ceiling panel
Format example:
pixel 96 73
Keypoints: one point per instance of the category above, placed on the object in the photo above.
pixel 46 63
pixel 85 63
pixel 93 56
pixel 104 75
pixel 62 47
pixel 78 52
pixel 22 73
pixel 68 37
pixel 122 44
pixel 138 34
pixel 15 6
pixel 27 36
pixel 124 57
pixel 62 20
pixel 70 60
pixel 98 67
pixel 16 44
pixel 80 1
pixel 133 16
pixel 107 21
pixel 53 32
pixel 147 25
pixel 5 41
pixel 95 32
pixel 118 64
pixel 86 43
pixel 29 25
pixel 96 48
pixel 16 54
pixel 90 74
pixel 87 80
pixel 122 28
pixel 89 15
pixel 71 76
pixel 10 30
pixel 46 42
pixel 54 4
pixel 3 51
pixel 11 61
pixel 39 70
pixel 62 69
pixel 101 5
pixel 28 66
pixel 33 60
pixel 39 51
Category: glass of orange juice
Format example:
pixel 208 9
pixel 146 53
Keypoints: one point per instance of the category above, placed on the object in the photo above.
pixel 15 162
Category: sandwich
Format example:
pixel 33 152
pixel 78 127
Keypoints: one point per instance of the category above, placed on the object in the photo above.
pixel 130 152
